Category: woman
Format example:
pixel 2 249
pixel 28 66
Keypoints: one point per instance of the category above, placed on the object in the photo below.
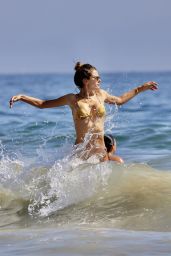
pixel 87 108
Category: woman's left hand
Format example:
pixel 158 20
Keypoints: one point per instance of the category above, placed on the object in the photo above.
pixel 151 85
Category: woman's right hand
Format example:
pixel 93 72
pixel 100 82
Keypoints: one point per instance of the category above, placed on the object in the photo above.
pixel 14 99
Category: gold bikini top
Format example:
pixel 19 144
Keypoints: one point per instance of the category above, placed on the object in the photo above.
pixel 83 110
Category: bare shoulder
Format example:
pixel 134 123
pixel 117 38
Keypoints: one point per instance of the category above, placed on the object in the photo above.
pixel 71 98
pixel 103 93
pixel 107 97
pixel 111 99
pixel 116 158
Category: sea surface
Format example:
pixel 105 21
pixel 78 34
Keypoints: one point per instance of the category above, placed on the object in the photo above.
pixel 51 204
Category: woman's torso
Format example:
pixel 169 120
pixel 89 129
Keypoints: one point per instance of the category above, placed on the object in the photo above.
pixel 88 115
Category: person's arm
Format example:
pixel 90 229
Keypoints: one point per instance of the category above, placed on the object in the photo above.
pixel 116 158
pixel 64 100
pixel 130 94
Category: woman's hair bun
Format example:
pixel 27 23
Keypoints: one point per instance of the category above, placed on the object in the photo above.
pixel 77 66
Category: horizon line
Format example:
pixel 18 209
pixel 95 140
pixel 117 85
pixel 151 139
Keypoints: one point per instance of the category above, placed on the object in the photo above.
pixel 70 73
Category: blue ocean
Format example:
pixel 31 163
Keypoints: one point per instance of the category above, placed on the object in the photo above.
pixel 52 205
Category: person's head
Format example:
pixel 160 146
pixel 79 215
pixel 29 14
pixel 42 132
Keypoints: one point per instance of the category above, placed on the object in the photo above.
pixel 86 75
pixel 110 143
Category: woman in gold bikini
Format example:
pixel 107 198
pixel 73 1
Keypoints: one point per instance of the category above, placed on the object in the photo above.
pixel 87 108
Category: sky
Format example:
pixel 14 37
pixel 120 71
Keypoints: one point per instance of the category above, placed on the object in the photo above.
pixel 44 36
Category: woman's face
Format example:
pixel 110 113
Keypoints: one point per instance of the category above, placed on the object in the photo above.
pixel 94 81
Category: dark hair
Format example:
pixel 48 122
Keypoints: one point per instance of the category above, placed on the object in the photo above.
pixel 82 71
pixel 109 142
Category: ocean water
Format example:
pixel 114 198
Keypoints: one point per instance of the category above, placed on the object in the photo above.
pixel 52 205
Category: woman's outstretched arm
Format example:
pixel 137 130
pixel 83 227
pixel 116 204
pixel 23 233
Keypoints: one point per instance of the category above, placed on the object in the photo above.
pixel 64 100
pixel 130 94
